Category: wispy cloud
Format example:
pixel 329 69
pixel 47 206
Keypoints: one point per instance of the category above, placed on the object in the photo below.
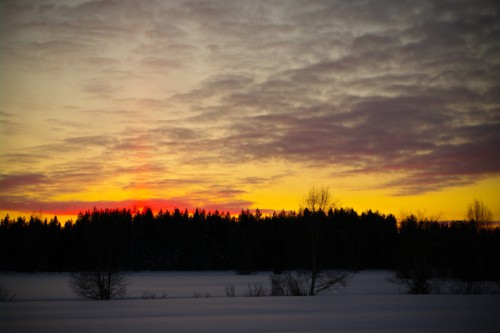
pixel 76 207
pixel 401 95
pixel 10 182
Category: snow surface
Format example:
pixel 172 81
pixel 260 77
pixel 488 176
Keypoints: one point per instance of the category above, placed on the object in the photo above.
pixel 369 304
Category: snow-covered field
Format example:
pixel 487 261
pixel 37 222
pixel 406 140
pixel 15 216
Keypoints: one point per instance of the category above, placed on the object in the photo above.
pixel 369 304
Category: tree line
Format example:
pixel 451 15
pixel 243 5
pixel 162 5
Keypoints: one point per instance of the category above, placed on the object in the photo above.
pixel 311 239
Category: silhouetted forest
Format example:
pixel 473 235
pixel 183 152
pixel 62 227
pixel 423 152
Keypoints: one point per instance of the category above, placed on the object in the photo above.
pixel 176 240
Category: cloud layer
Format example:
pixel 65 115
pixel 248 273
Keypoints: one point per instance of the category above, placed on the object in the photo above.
pixel 168 98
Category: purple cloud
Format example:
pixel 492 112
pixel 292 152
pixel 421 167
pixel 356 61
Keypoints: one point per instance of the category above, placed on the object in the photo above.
pixel 16 181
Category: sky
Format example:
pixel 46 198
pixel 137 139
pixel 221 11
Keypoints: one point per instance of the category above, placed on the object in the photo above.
pixel 392 105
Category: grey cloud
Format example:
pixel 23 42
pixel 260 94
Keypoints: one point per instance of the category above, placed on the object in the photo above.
pixel 23 160
pixel 453 164
pixel 157 56
pixel 374 134
pixel 37 186
pixel 216 86
pixel 10 182
pixel 98 113
pixel 6 114
pixel 135 144
pixel 60 125
pixel 262 182
pixel 254 180
pixel 68 35
pixel 64 175
pixel 47 55
pixel 101 88
pixel 8 124
pixel 103 62
pixel 157 63
pixel 93 140
pixel 82 144
pixel 164 182
pixel 172 134
pixel 189 201
pixel 395 86
pixel 367 43
pixel 166 31
pixel 138 105
pixel 220 191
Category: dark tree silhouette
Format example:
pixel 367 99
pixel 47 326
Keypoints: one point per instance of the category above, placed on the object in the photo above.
pixel 415 270
pixel 317 202
pixel 311 240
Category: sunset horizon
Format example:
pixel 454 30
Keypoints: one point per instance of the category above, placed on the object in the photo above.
pixel 236 105
pixel 69 211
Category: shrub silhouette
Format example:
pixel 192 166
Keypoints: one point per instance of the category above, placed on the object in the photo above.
pixel 6 295
pixel 301 283
pixel 98 285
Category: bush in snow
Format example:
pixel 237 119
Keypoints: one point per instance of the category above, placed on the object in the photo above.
pixel 256 290
pixel 151 295
pixel 301 283
pixel 471 288
pixel 230 290
pixel 98 285
pixel 197 294
pixel 415 281
pixel 6 295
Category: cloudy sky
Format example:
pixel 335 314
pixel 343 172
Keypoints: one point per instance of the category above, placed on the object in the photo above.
pixel 394 105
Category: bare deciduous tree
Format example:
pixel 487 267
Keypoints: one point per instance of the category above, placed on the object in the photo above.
pixel 479 213
pixel 318 199
pixel 315 205
pixel 98 285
